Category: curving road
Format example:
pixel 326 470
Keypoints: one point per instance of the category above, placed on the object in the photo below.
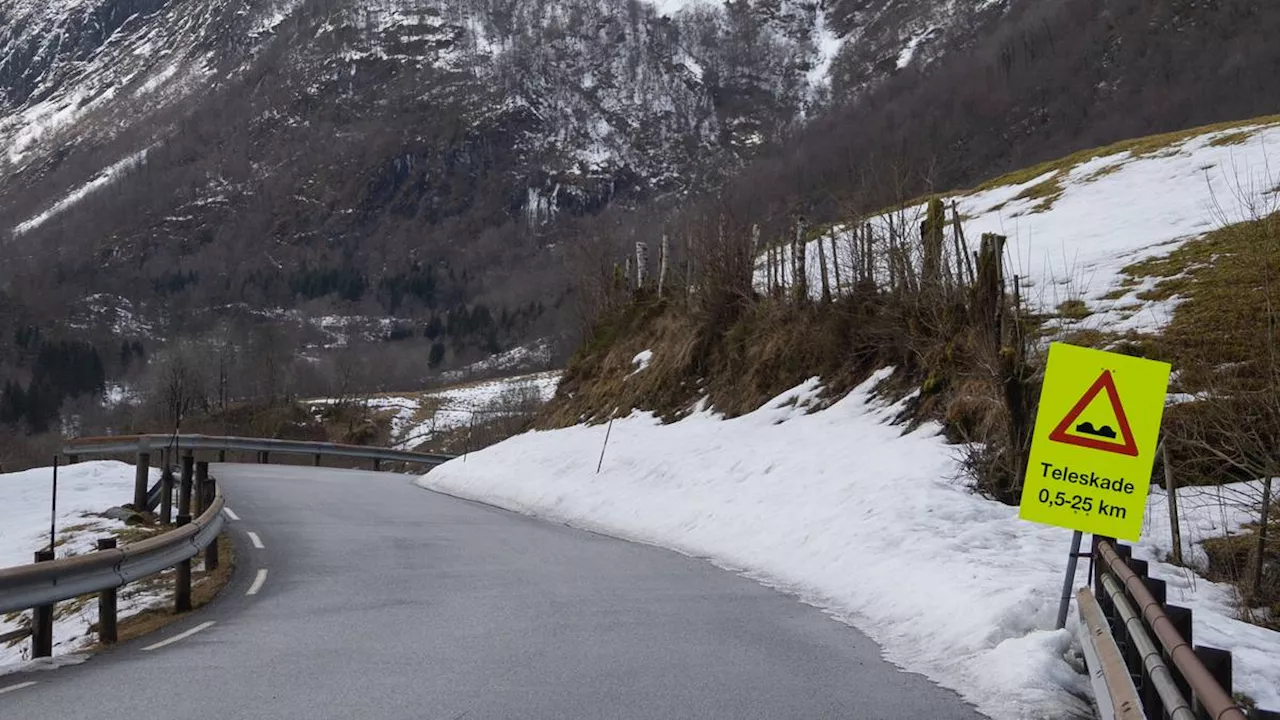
pixel 384 601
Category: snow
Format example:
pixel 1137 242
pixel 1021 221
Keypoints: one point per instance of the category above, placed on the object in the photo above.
pixel 641 361
pixel 524 357
pixel 99 181
pixel 675 7
pixel 829 45
pixel 83 490
pixel 913 44
pixel 456 407
pixel 125 319
pixel 1114 211
pixel 416 418
pixel 851 514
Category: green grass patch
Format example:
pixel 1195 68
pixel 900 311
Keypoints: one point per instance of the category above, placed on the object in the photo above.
pixel 1235 138
pixel 1074 310
pixel 1139 147
pixel 1226 281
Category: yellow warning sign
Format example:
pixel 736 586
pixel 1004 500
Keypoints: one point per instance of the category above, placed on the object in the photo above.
pixel 1094 441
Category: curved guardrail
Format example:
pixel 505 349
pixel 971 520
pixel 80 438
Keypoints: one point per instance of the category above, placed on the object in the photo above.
pixel 119 444
pixel 45 583
pixel 48 581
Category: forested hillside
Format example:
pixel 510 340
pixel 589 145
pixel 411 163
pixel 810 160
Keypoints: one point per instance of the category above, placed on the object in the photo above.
pixel 274 189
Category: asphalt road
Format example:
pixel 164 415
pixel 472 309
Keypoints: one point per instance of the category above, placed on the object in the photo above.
pixel 385 601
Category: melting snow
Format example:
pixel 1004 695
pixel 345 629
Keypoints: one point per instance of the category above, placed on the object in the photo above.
pixel 846 511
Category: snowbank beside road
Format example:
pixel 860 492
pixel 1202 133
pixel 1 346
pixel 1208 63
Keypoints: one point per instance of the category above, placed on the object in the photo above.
pixel 850 514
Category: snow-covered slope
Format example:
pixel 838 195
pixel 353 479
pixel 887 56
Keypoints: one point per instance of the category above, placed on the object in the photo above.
pixel 841 508
pixel 418 418
pixel 1074 228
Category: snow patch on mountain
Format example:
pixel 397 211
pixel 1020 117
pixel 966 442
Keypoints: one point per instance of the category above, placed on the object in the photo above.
pixel 101 180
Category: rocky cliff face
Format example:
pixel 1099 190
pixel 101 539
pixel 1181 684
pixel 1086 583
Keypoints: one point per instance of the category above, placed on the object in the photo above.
pixel 189 154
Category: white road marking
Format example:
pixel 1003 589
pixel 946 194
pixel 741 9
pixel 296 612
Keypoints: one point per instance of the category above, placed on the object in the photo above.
pixel 19 686
pixel 257 582
pixel 180 636
pixel 257 541
pixel 230 513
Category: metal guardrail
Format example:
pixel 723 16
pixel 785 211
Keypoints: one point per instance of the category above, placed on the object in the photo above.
pixel 1116 696
pixel 120 444
pixel 48 581
pixel 28 586
pixel 1173 678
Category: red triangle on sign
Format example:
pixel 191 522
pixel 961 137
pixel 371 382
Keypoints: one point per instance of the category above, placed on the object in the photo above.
pixel 1104 382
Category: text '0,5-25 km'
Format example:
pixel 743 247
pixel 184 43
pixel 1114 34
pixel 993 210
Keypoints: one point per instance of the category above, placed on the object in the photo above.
pixel 1080 504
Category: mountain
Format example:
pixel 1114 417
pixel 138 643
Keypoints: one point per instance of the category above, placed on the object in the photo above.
pixel 396 158
pixel 437 177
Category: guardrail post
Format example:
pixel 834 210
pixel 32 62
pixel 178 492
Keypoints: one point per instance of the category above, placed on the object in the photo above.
pixel 184 490
pixel 377 464
pixel 210 550
pixel 107 604
pixel 1158 589
pixel 264 457
pixel 202 477
pixel 317 460
pixel 42 619
pixel 182 578
pixel 1218 663
pixel 166 495
pixel 1180 618
pixel 222 456
pixel 140 479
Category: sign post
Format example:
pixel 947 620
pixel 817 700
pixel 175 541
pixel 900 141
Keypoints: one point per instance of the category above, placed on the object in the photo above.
pixel 1093 446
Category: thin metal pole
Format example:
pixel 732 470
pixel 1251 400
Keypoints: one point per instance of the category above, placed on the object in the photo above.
pixel 466 448
pixel 1070 580
pixel 53 507
pixel 607 432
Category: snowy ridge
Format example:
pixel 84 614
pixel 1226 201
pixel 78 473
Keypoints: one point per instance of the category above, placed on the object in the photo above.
pixel 1114 210
pixel 841 508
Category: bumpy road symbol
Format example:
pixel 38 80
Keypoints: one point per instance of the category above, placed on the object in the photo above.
pixel 1104 437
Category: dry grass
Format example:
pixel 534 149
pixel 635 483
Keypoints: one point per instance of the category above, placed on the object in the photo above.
pixel 1235 138
pixel 1139 147
pixel 205 587
pixel 1223 317
pixel 1230 559
pixel 768 347
pixel 1074 310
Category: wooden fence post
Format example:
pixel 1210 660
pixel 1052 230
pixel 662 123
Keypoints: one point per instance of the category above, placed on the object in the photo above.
pixel 42 619
pixel 142 476
pixel 107 626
